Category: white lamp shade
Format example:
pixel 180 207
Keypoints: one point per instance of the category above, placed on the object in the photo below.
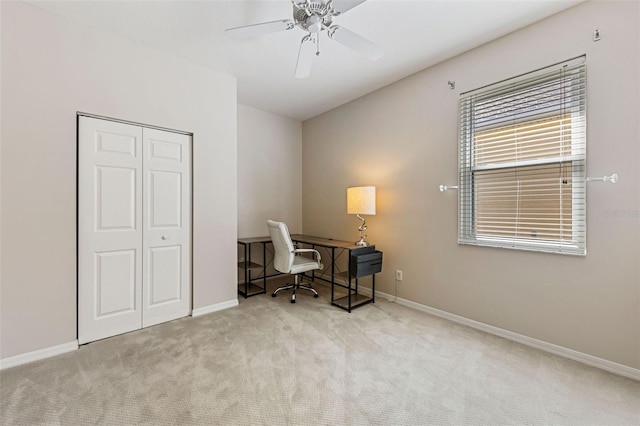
pixel 361 200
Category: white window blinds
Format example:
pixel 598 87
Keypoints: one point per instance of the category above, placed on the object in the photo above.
pixel 522 155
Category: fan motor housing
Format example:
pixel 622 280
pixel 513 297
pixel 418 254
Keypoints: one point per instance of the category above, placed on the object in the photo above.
pixel 313 16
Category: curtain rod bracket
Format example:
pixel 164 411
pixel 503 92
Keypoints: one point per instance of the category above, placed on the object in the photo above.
pixel 613 178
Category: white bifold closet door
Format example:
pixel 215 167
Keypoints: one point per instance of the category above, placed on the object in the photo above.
pixel 134 227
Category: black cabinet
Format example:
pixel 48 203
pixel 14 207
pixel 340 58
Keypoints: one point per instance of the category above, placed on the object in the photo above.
pixel 365 261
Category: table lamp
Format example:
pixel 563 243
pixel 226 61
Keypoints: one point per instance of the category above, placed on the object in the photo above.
pixel 361 200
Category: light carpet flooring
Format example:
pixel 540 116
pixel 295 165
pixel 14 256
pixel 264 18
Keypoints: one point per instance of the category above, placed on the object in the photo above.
pixel 272 362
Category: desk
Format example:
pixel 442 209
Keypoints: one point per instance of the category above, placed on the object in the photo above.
pixel 336 261
pixel 340 277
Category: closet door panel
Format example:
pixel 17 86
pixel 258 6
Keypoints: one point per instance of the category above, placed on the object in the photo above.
pixel 109 229
pixel 165 280
pixel 115 283
pixel 167 226
pixel 115 198
pixel 165 196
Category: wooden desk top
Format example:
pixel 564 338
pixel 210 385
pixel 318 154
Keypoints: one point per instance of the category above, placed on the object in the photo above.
pixel 307 239
pixel 324 242
pixel 254 240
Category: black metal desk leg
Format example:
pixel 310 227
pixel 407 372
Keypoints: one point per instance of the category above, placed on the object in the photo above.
pixel 248 283
pixel 373 288
pixel 349 294
pixel 264 267
pixel 333 281
pixel 246 272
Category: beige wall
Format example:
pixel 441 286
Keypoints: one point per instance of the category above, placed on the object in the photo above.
pixel 403 139
pixel 52 68
pixel 269 171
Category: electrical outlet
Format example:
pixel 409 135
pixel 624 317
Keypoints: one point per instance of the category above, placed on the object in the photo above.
pixel 596 35
pixel 398 275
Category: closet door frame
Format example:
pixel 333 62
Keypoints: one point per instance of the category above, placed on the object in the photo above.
pixel 134 307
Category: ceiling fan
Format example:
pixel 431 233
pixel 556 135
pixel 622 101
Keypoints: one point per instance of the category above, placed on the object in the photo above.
pixel 314 17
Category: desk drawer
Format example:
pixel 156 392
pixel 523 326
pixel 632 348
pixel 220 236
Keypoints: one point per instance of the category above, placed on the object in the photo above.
pixel 365 262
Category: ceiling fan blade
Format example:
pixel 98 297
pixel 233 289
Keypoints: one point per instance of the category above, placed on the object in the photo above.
pixel 356 42
pixel 343 6
pixel 256 30
pixel 305 57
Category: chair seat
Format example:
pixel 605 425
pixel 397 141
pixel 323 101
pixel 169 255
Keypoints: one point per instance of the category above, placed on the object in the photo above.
pixel 304 264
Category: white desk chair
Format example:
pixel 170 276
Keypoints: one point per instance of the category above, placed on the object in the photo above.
pixel 288 260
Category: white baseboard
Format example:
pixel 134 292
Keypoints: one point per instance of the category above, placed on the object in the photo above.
pixel 25 358
pixel 613 367
pixel 214 308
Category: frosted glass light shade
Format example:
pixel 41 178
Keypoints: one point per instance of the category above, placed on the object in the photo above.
pixel 361 200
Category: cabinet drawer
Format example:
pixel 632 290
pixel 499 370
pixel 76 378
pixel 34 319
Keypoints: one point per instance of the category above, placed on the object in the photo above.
pixel 367 263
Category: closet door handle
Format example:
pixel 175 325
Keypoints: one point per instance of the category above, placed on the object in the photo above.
pixel 165 237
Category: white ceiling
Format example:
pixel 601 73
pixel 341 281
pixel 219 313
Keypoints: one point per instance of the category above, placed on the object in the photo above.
pixel 415 34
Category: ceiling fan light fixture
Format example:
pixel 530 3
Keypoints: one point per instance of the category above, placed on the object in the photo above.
pixel 314 24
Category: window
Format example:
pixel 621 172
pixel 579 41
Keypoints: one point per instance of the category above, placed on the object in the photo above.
pixel 522 162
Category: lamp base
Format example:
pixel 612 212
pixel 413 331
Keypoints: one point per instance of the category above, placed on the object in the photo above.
pixel 362 242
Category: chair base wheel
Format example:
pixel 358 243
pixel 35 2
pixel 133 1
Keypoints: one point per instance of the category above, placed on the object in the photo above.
pixel 315 296
pixel 273 295
pixel 293 300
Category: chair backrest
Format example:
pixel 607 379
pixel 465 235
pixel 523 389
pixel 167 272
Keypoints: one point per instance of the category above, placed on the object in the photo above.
pixel 283 246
